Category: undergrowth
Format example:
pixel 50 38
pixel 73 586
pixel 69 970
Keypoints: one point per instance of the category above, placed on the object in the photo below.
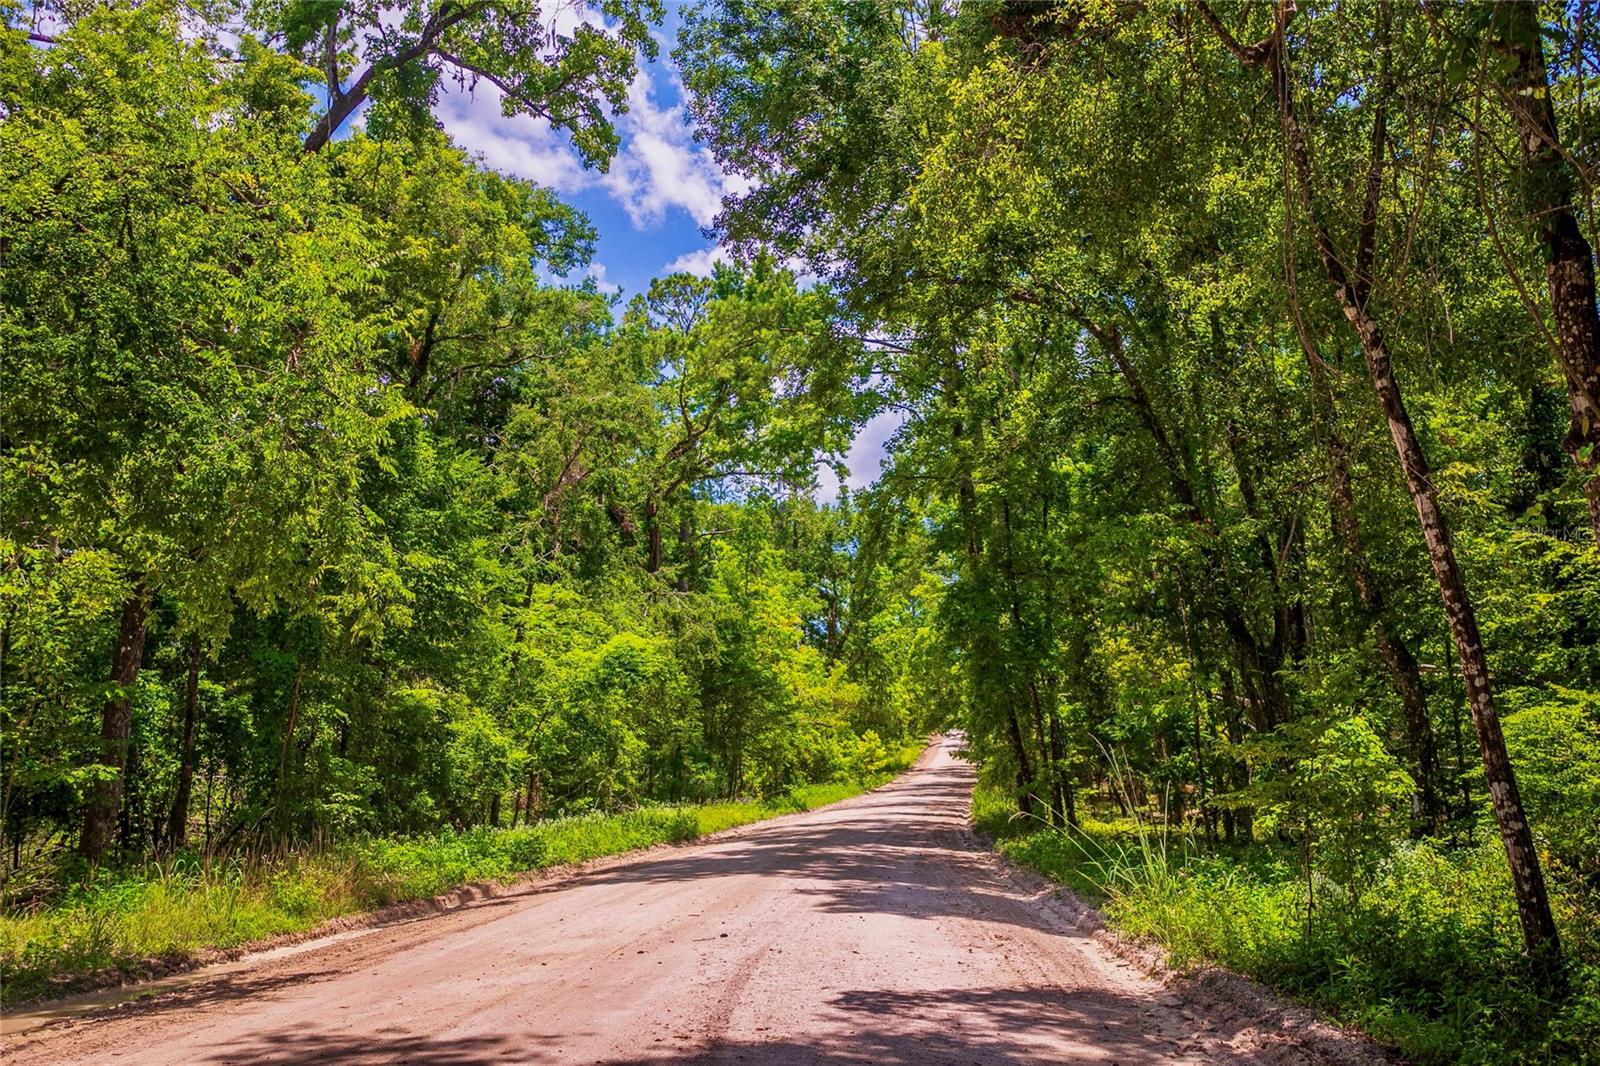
pixel 1423 955
pixel 122 920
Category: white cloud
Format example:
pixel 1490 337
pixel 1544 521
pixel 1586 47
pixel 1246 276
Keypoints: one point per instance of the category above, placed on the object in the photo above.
pixel 518 145
pixel 865 458
pixel 700 262
pixel 597 271
pixel 659 167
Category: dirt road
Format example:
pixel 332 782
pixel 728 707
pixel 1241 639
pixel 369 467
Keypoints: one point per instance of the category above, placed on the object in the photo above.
pixel 872 931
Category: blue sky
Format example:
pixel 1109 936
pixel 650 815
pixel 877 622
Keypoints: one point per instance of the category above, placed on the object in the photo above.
pixel 653 205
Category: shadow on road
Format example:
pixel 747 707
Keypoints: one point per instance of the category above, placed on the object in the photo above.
pixel 901 851
pixel 934 1028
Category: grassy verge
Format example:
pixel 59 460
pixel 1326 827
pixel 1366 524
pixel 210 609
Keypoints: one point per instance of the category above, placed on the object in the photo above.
pixel 1423 955
pixel 132 922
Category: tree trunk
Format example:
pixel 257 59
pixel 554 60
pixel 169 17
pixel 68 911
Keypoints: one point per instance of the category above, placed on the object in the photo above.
pixel 652 512
pixel 1404 675
pixel 833 623
pixel 686 550
pixel 1049 782
pixel 1533 902
pixel 1020 631
pixel 1263 661
pixel 1570 268
pixel 1288 617
pixel 1066 808
pixel 129 837
pixel 1019 751
pixel 1064 804
pixel 1240 819
pixel 288 740
pixel 339 112
pixel 116 725
pixel 178 820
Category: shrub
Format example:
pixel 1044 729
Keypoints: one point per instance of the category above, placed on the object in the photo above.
pixel 1422 951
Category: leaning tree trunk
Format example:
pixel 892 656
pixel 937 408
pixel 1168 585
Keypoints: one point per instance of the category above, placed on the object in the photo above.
pixel 116 726
pixel 1570 268
pixel 1404 674
pixel 1533 902
pixel 1263 660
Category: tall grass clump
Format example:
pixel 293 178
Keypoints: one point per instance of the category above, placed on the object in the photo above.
pixel 1422 951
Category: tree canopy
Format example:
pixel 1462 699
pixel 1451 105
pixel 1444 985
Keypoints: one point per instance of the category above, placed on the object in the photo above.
pixel 1246 481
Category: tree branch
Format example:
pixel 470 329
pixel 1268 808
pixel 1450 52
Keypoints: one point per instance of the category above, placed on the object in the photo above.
pixel 1251 55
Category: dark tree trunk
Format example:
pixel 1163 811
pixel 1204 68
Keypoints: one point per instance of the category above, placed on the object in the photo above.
pixel 686 551
pixel 288 740
pixel 338 113
pixel 1046 780
pixel 1241 819
pixel 129 837
pixel 1064 806
pixel 1570 269
pixel 531 807
pixel 1533 902
pixel 1049 777
pixel 652 524
pixel 1019 751
pixel 1263 661
pixel 178 820
pixel 116 725
pixel 1207 818
pixel 1404 675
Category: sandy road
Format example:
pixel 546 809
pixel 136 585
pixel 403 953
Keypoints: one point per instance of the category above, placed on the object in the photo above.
pixel 868 932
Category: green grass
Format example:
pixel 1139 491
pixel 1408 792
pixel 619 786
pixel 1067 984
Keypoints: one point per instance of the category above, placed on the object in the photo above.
pixel 1424 955
pixel 117 925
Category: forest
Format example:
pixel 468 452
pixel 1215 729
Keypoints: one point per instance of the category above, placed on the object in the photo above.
pixel 1243 509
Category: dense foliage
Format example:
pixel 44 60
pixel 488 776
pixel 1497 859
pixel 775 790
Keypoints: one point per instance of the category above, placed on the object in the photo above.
pixel 1246 493
pixel 1249 361
pixel 331 511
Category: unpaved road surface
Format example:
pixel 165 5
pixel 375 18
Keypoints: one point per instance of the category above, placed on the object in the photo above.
pixel 873 931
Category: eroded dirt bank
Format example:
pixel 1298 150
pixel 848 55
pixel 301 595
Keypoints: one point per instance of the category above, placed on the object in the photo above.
pixel 873 931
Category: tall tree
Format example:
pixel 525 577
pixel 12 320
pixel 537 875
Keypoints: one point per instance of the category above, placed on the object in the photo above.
pixel 173 247
pixel 1533 902
pixel 1549 184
